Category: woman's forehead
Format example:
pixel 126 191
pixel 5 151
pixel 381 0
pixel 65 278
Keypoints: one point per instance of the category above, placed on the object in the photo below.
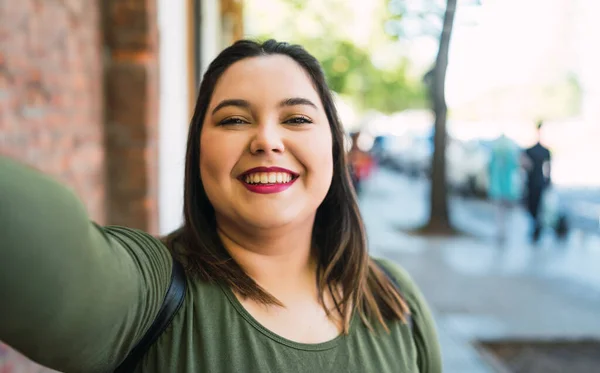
pixel 265 79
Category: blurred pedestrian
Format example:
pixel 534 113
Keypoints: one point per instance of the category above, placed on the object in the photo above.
pixel 537 163
pixel 272 251
pixel 361 163
pixel 503 178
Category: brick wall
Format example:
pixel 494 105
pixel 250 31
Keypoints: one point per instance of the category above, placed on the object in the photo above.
pixel 131 83
pixel 51 92
pixel 82 104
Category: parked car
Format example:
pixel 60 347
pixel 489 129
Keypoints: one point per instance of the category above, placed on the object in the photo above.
pixel 408 153
pixel 467 162
pixel 467 167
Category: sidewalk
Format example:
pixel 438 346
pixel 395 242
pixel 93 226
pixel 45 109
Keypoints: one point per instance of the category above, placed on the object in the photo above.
pixel 476 289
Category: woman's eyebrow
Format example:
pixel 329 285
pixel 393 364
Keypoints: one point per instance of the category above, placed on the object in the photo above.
pixel 293 101
pixel 297 101
pixel 231 102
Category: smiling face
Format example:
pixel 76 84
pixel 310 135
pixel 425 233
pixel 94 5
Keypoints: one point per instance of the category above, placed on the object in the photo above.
pixel 266 148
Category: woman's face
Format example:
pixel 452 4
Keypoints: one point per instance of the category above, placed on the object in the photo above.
pixel 266 148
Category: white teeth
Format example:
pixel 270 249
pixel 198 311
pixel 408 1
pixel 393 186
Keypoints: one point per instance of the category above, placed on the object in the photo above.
pixel 268 178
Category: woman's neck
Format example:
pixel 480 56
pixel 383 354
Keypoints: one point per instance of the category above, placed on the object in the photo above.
pixel 282 261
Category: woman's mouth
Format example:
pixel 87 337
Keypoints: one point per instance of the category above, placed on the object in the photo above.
pixel 268 180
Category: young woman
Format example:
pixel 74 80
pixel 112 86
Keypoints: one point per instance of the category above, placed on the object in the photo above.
pixel 274 250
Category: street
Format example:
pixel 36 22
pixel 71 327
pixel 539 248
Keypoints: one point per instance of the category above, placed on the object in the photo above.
pixel 478 289
pixel 583 207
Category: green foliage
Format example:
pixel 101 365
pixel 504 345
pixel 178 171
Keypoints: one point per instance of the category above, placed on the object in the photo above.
pixel 324 27
pixel 351 72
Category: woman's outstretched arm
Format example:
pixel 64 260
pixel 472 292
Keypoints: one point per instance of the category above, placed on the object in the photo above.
pixel 73 296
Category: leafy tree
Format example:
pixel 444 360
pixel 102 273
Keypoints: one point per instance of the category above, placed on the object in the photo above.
pixel 439 218
pixel 419 17
pixel 324 28
pixel 351 72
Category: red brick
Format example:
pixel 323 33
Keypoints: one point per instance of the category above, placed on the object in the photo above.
pixel 131 99
pixel 46 64
pixel 52 100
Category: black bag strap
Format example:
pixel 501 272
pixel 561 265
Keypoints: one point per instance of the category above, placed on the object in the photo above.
pixel 171 304
pixel 394 280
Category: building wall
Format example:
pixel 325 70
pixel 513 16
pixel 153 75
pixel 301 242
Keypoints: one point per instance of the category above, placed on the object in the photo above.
pixel 211 35
pixel 82 104
pixel 233 21
pixel 175 111
pixel 51 92
pixel 222 24
pixel 131 84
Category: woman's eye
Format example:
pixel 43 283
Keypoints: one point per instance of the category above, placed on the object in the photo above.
pixel 232 122
pixel 298 120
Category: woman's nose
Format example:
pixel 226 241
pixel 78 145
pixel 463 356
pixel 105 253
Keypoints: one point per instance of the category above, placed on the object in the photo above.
pixel 267 139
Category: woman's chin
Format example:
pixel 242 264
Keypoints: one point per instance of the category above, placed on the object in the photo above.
pixel 275 218
pixel 269 222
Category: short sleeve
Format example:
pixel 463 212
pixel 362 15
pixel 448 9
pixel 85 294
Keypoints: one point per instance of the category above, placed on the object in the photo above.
pixel 424 329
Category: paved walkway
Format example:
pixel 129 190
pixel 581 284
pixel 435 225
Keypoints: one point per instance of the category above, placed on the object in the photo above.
pixel 477 289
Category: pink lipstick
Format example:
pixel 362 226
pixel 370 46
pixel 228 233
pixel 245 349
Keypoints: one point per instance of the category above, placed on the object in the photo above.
pixel 284 179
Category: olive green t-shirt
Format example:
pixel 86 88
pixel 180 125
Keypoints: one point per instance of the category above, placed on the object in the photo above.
pixel 77 297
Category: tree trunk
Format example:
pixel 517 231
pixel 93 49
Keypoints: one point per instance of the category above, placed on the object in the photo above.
pixel 439 219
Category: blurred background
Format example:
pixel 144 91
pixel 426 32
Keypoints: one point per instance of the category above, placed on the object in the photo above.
pixel 441 101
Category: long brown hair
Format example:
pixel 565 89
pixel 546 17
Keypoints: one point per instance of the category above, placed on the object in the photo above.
pixel 339 237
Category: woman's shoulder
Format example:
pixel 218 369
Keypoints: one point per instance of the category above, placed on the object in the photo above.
pixel 401 277
pixel 128 234
pixel 132 237
pixel 147 250
pixel 424 329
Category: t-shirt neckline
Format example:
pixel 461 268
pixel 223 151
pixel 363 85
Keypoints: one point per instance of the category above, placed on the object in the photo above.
pixel 276 337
